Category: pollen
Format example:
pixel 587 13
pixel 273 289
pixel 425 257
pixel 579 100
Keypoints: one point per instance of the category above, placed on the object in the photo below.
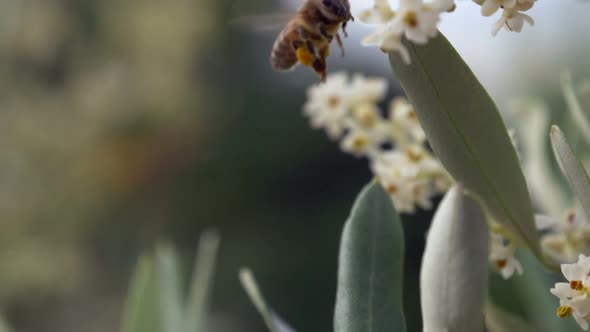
pixel 392 189
pixel 334 102
pixel 576 285
pixel 359 143
pixel 411 19
pixel 414 156
pixel 564 311
pixel 304 56
pixel 501 263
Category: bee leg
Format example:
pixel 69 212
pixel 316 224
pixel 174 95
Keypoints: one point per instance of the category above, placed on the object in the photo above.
pixel 311 48
pixel 340 44
pixel 307 37
pixel 324 32
pixel 344 29
pixel 319 65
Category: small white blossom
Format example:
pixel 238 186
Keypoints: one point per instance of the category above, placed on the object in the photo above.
pixel 388 41
pixel 489 7
pixel 328 104
pixel 365 90
pixel 565 238
pixel 409 176
pixel 381 13
pixel 418 20
pixel 502 256
pixel 415 19
pixel 512 20
pixel 406 127
pixel 573 295
pixel 362 141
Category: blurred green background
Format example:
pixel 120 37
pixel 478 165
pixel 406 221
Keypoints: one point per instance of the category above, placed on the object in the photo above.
pixel 126 122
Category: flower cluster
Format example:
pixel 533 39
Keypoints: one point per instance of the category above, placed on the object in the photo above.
pixel 347 109
pixel 502 256
pixel 512 18
pixel 565 239
pixel 414 19
pixel 417 20
pixel 573 295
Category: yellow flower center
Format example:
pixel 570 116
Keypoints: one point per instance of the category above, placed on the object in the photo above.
pixel 577 285
pixel 564 311
pixel 411 19
pixel 359 143
pixel 414 156
pixel 333 101
pixel 391 189
pixel 366 115
pixel 501 263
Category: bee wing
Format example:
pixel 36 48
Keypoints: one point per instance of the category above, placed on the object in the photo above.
pixel 263 22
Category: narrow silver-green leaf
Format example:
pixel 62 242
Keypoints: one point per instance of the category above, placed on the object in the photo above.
pixel 171 307
pixel 453 278
pixel 467 133
pixel 370 266
pixel 273 322
pixel 572 168
pixel 580 118
pixel 141 310
pixel 202 282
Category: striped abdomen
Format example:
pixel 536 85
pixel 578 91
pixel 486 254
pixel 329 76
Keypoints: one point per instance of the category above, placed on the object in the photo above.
pixel 283 55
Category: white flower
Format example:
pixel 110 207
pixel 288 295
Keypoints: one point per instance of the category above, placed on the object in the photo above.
pixel 502 256
pixel 388 41
pixel 565 238
pixel 418 20
pixel 512 20
pixel 364 89
pixel 579 308
pixel 331 105
pixel 489 7
pixel 328 104
pixel 409 175
pixel 573 295
pixel 381 13
pixel 414 19
pixel 361 141
pixel 406 127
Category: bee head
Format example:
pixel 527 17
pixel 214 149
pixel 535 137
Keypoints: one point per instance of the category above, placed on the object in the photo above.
pixel 339 8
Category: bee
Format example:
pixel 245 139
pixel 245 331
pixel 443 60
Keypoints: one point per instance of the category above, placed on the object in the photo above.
pixel 307 37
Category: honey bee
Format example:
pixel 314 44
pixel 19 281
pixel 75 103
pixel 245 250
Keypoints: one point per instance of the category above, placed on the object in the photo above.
pixel 307 37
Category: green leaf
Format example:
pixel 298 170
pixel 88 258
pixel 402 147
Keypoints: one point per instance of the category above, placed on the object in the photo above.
pixel 528 297
pixel 579 116
pixel 273 322
pixel 141 309
pixel 467 133
pixel 571 167
pixel 369 297
pixel 202 283
pixel 453 278
pixel 171 307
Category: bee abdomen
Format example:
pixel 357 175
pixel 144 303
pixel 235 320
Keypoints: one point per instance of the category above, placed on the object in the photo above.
pixel 283 56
